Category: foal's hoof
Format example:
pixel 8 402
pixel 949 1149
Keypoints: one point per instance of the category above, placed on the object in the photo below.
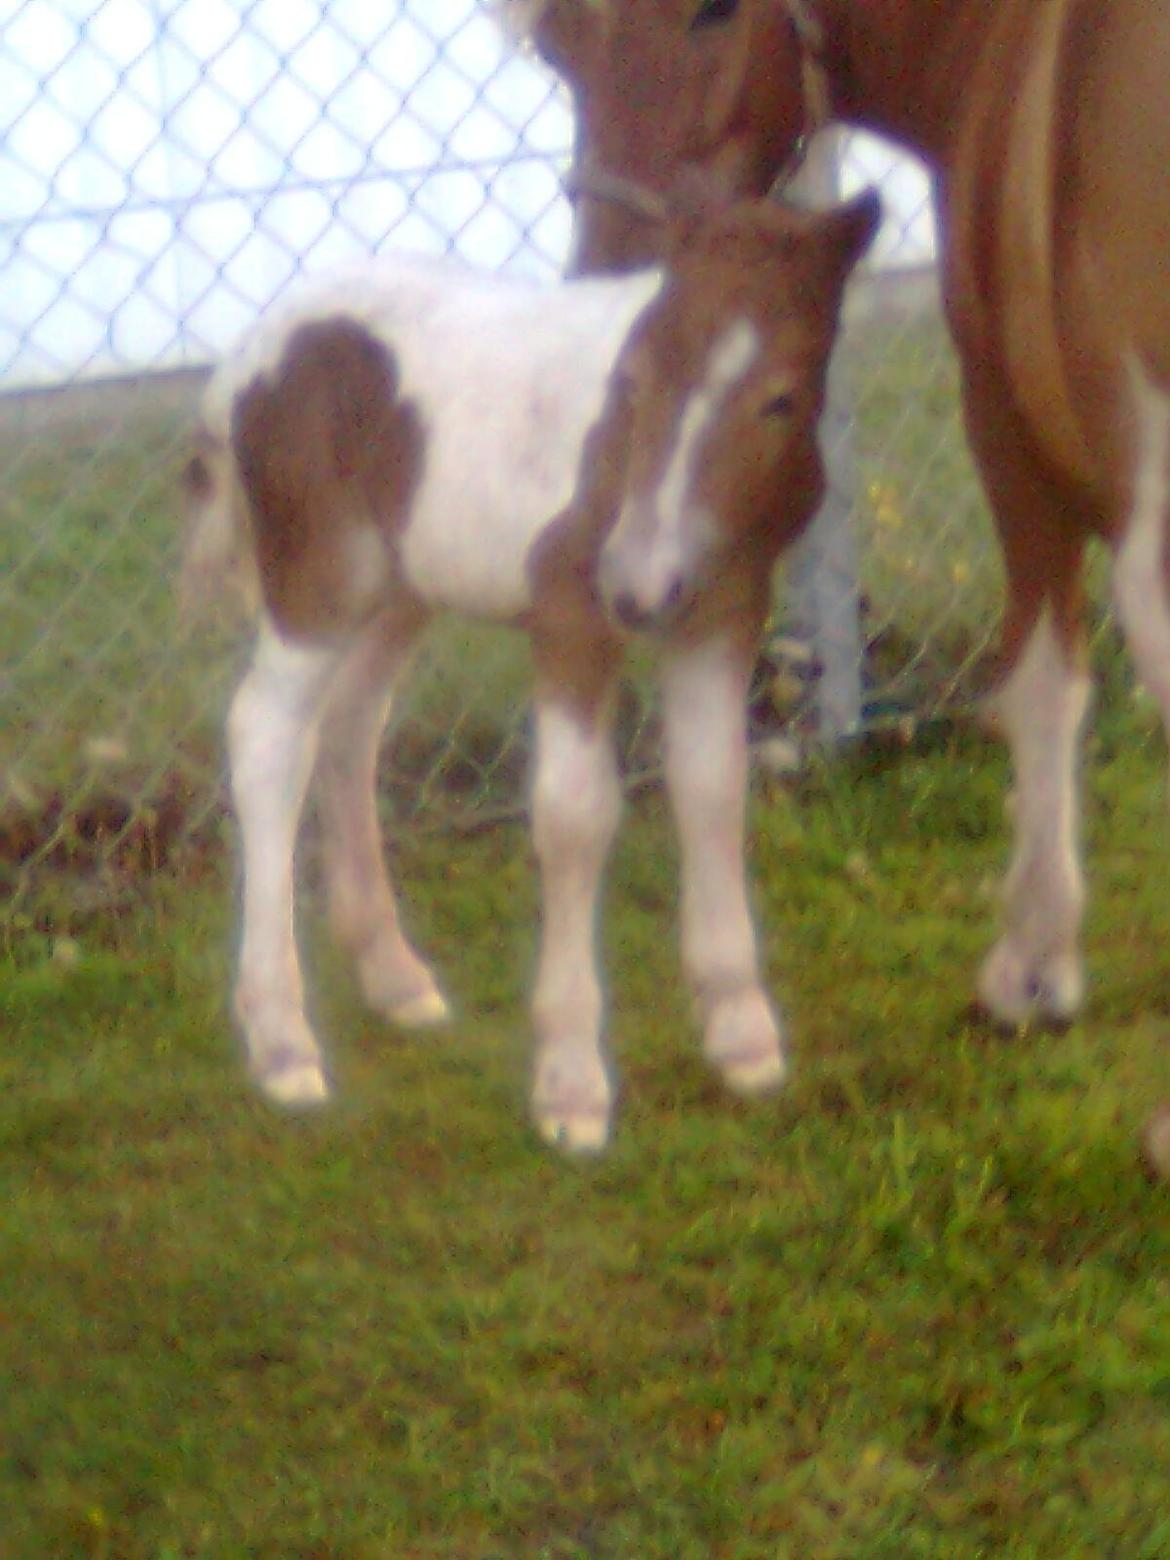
pixel 422 1012
pixel 573 1128
pixel 742 1041
pixel 753 1075
pixel 1156 1145
pixel 572 1098
pixel 295 1084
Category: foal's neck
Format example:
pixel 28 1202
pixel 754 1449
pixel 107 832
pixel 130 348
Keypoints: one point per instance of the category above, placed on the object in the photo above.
pixel 900 67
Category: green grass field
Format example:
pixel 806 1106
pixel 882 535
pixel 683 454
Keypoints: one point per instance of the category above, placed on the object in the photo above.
pixel 916 1306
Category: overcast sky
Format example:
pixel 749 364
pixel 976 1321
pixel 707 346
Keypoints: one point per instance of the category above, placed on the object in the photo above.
pixel 167 167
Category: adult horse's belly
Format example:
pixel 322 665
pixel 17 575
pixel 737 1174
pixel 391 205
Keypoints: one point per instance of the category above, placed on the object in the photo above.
pixel 1056 209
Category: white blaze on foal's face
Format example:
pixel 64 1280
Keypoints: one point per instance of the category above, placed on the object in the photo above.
pixel 723 381
pixel 663 536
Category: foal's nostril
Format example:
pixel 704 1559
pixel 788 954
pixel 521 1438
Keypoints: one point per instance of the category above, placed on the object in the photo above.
pixel 632 614
pixel 674 596
pixel 627 611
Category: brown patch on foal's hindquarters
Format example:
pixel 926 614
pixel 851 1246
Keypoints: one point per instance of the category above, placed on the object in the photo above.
pixel 329 455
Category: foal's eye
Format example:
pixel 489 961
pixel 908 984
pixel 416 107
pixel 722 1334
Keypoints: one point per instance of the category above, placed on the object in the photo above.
pixel 782 404
pixel 711 12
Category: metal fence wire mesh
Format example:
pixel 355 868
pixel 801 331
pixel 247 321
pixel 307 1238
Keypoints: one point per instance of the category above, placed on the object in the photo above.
pixel 166 169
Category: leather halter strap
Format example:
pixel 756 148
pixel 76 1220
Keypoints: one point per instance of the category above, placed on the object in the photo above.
pixel 815 92
pixel 599 184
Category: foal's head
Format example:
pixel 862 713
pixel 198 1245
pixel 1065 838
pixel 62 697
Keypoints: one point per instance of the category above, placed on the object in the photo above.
pixel 662 86
pixel 719 389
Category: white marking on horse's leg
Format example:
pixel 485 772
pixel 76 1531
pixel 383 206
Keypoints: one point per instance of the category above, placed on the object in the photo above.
pixel 363 911
pixel 576 804
pixel 272 732
pixel 1036 965
pixel 704 714
pixel 1141 590
pixel 1140 583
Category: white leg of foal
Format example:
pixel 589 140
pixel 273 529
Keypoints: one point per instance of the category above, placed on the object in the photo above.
pixel 1035 968
pixel 363 911
pixel 272 734
pixel 705 719
pixel 576 804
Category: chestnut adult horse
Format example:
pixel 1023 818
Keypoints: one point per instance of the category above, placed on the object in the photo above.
pixel 1045 127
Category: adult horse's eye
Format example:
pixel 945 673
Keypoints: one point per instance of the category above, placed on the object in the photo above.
pixel 714 11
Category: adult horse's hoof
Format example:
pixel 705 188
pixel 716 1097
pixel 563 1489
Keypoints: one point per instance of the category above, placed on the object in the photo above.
pixel 1016 990
pixel 1156 1145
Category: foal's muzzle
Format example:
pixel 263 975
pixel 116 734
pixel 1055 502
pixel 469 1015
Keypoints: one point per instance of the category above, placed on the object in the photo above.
pixel 643 591
pixel 640 617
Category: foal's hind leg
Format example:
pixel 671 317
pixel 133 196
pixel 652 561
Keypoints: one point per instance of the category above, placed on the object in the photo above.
pixel 272 738
pixel 704 713
pixel 394 980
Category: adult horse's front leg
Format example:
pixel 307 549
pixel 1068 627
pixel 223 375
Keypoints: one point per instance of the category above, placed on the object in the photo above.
pixel 1035 969
pixel 704 689
pixel 576 804
pixel 272 739
pixel 1143 602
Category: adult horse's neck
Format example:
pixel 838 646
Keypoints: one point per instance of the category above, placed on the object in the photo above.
pixel 900 67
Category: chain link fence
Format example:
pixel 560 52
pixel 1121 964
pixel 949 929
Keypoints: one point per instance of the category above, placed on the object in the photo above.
pixel 166 169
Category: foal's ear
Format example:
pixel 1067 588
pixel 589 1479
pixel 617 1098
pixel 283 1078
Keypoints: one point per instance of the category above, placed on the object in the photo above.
pixel 847 231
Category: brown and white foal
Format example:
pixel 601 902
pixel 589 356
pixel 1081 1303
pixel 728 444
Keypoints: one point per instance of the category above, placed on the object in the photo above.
pixel 409 436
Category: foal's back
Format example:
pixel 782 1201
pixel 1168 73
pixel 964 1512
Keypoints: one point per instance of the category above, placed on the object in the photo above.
pixel 424 410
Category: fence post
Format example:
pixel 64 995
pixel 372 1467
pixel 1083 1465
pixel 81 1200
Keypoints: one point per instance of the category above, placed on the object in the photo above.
pixel 824 602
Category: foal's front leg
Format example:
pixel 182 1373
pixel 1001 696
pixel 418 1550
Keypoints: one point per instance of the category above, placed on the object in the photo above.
pixel 272 739
pixel 576 804
pixel 704 711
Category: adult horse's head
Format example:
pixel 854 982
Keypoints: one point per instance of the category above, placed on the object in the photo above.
pixel 722 383
pixel 710 89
